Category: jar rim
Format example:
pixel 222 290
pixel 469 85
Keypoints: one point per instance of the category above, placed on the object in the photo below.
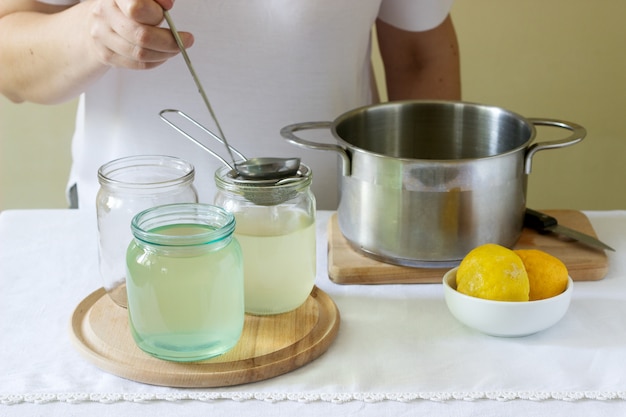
pixel 146 225
pixel 133 172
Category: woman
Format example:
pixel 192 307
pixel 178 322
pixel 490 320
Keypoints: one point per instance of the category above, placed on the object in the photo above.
pixel 263 63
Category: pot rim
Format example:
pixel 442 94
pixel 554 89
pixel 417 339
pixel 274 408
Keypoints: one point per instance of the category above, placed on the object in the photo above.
pixel 353 112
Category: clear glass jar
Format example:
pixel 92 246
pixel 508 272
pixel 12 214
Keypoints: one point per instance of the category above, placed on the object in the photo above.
pixel 185 282
pixel 276 231
pixel 128 186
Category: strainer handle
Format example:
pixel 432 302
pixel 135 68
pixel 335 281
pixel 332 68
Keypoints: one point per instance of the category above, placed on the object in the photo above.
pixel 287 132
pixel 577 134
pixel 162 114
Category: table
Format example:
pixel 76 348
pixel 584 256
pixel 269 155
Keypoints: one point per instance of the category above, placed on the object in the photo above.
pixel 398 351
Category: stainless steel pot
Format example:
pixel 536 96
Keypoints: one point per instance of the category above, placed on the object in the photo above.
pixel 424 182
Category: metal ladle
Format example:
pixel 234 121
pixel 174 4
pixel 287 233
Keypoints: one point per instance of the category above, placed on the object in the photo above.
pixel 253 168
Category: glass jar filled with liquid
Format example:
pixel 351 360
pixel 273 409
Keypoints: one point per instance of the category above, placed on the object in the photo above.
pixel 276 230
pixel 127 186
pixel 185 282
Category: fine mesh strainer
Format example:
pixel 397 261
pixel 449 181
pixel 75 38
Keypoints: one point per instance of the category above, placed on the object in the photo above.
pixel 262 192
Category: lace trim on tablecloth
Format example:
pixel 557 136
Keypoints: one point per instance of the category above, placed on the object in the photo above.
pixel 336 398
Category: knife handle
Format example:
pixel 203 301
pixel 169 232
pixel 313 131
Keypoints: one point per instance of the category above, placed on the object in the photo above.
pixel 539 221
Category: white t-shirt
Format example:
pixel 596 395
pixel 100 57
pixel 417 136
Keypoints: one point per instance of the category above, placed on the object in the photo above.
pixel 263 64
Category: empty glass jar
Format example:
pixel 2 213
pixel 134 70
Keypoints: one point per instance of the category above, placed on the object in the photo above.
pixel 276 231
pixel 127 186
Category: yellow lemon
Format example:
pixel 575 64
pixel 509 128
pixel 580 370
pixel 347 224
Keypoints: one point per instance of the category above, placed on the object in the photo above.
pixel 493 272
pixel 547 275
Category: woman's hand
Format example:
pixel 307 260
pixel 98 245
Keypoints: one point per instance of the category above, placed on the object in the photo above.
pixel 127 33
pixel 56 52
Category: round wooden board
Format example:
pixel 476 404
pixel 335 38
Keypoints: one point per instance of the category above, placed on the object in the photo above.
pixel 269 345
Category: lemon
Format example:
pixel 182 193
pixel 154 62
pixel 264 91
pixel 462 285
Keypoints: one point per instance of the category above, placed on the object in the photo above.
pixel 493 272
pixel 547 275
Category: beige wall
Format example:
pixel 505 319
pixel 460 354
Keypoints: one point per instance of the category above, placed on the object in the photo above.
pixel 556 59
pixel 34 154
pixel 561 59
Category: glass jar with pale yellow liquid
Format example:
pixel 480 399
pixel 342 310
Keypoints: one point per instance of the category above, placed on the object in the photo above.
pixel 276 230
pixel 185 282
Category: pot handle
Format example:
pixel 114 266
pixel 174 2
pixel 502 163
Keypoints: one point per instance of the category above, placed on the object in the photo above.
pixel 577 134
pixel 287 132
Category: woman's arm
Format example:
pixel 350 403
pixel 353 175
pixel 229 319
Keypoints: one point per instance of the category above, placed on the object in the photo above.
pixel 49 54
pixel 420 64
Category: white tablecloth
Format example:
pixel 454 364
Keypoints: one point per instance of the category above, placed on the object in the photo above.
pixel 398 351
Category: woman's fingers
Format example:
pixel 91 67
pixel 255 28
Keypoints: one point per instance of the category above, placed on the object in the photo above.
pixel 127 33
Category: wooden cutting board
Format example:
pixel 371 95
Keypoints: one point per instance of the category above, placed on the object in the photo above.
pixel 347 266
pixel 269 345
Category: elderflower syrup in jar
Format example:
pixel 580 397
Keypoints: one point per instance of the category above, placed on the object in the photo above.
pixel 276 230
pixel 185 282
pixel 127 186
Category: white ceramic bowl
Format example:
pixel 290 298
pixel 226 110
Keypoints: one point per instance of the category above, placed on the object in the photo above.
pixel 505 318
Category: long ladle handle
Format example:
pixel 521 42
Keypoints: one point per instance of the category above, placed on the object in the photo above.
pixel 183 51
